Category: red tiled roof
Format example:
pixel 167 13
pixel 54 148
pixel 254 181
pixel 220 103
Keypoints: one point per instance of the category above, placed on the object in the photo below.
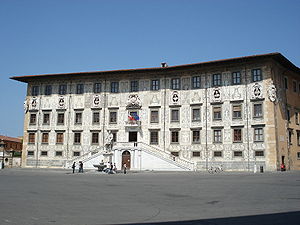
pixel 5 138
pixel 276 56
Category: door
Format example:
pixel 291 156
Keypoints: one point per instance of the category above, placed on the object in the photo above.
pixel 132 136
pixel 126 159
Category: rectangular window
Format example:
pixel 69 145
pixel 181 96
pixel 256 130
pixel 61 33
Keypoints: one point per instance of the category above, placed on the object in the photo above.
pixel 114 87
pixel 58 153
pixel 237 135
pixel 297 118
pixel 59 138
pixel 76 153
pixel 288 115
pixel 96 117
pixel 217 113
pixel 237 111
pixel 154 116
pixel 114 136
pixel 196 82
pixel 97 88
pixel 196 154
pixel 95 138
pixel 60 118
pixel 298 155
pixel 196 136
pixel 286 84
pixel 46 118
pixel 217 154
pixel 154 85
pixel 134 86
pixel 77 138
pixel 30 153
pixel 217 136
pixel 257 110
pixel 31 138
pixel 295 86
pixel 79 89
pixel 236 78
pixel 45 138
pixel 35 91
pixel 175 84
pixel 174 136
pixel 237 154
pixel 112 117
pixel 44 153
pixel 256 75
pixel 174 115
pixel 259 153
pixel 48 90
pixel 298 137
pixel 216 80
pixel 62 90
pixel 153 137
pixel 258 134
pixel 78 118
pixel 290 132
pixel 32 120
pixel 196 114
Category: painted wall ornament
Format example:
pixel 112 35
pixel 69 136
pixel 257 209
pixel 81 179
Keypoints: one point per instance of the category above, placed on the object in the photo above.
pixel 216 94
pixel 26 106
pixel 175 97
pixel 96 101
pixel 257 91
pixel 34 103
pixel 272 92
pixel 134 101
pixel 61 102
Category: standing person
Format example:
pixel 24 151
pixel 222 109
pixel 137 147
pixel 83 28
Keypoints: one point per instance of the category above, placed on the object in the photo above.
pixel 125 168
pixel 111 167
pixel 115 168
pixel 73 167
pixel 80 167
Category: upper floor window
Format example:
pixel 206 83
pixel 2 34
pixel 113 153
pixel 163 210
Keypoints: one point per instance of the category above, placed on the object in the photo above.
pixel 295 86
pixel 153 137
pixel 134 86
pixel 114 87
pixel 96 117
pixel 298 137
pixel 32 120
pixel 79 89
pixel 174 115
pixel 217 135
pixel 31 138
pixel 257 110
pixel 154 116
pixel 195 82
pixel 297 118
pixel 77 138
pixel 217 113
pixel 288 115
pixel 174 136
pixel 97 87
pixel 78 118
pixel 113 117
pixel 258 134
pixel 48 90
pixel 35 90
pixel 59 138
pixel 196 114
pixel 175 84
pixel 154 85
pixel 216 80
pixel 256 75
pixel 45 138
pixel 60 118
pixel 237 135
pixel 62 90
pixel 196 136
pixel 95 138
pixel 286 84
pixel 237 111
pixel 46 118
pixel 236 78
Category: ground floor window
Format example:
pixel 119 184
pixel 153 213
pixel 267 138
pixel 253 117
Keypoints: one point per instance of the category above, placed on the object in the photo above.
pixel 58 153
pixel 76 153
pixel 196 154
pixel 259 153
pixel 154 137
pixel 237 153
pixel 174 136
pixel 217 154
pixel 44 153
pixel 30 153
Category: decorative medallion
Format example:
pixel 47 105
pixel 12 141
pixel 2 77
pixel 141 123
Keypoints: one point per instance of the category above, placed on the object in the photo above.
pixel 216 94
pixel 257 91
pixel 175 97
pixel 272 92
pixel 61 102
pixel 134 101
pixel 26 106
pixel 96 101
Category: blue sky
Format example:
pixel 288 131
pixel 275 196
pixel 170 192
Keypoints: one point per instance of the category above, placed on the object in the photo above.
pixel 38 37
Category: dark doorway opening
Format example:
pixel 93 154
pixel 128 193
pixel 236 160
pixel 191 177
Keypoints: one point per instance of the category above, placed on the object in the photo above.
pixel 126 159
pixel 132 136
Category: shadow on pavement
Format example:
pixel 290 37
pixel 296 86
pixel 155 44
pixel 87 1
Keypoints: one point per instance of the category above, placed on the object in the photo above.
pixel 289 218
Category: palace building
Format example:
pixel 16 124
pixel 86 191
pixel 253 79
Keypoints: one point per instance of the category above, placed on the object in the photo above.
pixel 241 113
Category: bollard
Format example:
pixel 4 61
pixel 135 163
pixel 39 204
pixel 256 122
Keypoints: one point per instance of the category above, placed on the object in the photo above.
pixel 261 169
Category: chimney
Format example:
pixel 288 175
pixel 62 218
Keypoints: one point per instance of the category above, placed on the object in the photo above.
pixel 164 64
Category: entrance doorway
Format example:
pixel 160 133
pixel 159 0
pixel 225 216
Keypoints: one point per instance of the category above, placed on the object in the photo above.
pixel 132 136
pixel 126 159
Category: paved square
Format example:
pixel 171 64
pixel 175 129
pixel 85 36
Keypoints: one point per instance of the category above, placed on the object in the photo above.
pixel 30 196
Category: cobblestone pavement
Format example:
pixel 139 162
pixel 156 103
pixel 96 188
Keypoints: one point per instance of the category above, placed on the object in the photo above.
pixel 40 197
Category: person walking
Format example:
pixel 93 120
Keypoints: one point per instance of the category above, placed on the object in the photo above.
pixel 125 168
pixel 115 168
pixel 74 166
pixel 80 167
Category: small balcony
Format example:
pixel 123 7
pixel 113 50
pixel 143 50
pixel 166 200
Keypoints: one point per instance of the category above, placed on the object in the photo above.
pixel 133 123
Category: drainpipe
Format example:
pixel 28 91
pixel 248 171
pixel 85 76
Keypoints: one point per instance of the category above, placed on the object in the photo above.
pixel 247 123
pixel 38 126
pixel 68 121
pixel 104 114
pixel 206 131
pixel 165 97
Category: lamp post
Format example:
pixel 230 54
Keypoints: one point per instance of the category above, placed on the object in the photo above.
pixel 2 144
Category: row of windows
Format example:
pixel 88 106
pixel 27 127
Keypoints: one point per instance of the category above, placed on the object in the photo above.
pixel 154 136
pixel 154 84
pixel 194 153
pixel 154 115
pixel 296 114
pixel 294 85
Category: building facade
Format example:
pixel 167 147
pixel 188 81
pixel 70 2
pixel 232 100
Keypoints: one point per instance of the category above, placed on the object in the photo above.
pixel 240 113
pixel 10 151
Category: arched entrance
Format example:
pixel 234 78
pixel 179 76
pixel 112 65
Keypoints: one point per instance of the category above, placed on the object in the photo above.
pixel 126 159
